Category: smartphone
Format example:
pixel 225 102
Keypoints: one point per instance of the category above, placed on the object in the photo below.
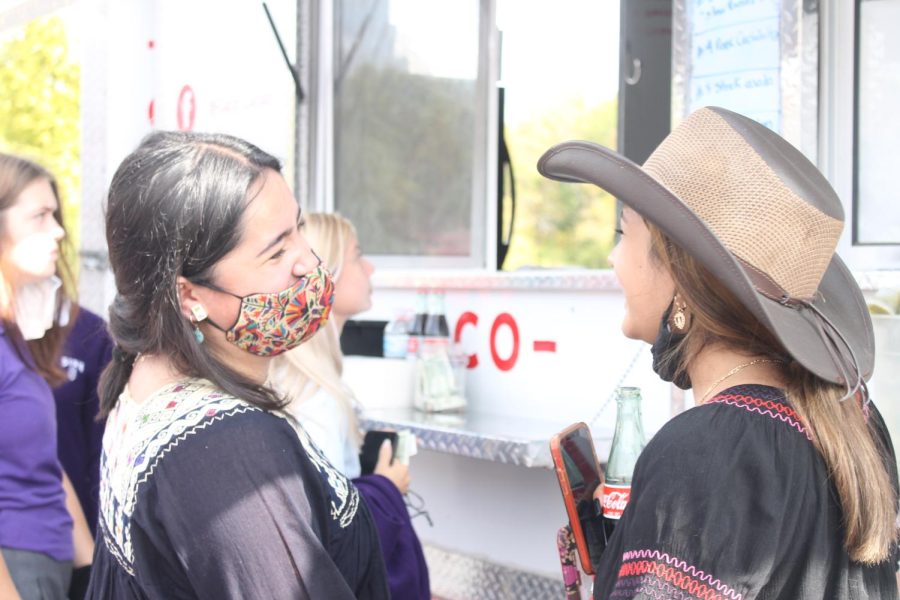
pixel 368 454
pixel 578 471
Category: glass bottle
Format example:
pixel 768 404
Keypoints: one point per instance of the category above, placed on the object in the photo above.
pixel 627 444
pixel 436 321
pixel 436 388
pixel 417 329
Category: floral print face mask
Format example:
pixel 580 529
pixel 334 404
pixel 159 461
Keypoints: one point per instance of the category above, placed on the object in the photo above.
pixel 270 324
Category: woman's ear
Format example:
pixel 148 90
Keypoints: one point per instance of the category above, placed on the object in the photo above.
pixel 191 307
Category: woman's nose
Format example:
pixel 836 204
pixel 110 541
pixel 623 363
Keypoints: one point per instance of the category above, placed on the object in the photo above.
pixel 57 230
pixel 306 264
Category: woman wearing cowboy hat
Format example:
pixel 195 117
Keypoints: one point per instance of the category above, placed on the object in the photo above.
pixel 782 482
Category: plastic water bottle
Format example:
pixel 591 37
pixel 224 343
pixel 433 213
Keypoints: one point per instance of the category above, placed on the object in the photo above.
pixel 416 329
pixel 396 335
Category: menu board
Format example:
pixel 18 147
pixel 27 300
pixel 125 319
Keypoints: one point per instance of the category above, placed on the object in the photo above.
pixel 735 57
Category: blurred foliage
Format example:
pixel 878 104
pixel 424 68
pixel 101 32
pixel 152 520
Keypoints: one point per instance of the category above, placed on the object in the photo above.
pixel 404 158
pixel 39 111
pixel 561 224
pixel 403 152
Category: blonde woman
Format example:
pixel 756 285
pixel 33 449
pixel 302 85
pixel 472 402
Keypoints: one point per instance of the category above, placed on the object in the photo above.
pixel 310 377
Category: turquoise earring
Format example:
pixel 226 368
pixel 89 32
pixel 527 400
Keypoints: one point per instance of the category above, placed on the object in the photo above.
pixel 199 314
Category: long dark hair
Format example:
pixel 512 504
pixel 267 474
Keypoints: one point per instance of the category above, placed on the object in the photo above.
pixel 16 174
pixel 174 208
pixel 847 440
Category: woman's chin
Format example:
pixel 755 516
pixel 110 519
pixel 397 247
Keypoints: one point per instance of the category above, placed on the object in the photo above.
pixel 35 276
pixel 632 332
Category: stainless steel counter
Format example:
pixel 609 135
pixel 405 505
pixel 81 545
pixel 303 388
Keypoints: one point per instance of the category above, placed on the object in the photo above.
pixel 510 440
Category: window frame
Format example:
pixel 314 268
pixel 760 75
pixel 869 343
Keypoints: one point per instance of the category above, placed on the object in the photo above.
pixel 837 124
pixel 321 134
pixel 857 47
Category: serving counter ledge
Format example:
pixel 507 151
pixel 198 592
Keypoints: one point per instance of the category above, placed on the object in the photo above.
pixel 505 439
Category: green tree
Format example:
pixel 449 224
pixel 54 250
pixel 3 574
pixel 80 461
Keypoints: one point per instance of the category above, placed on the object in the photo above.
pixel 404 160
pixel 561 224
pixel 39 110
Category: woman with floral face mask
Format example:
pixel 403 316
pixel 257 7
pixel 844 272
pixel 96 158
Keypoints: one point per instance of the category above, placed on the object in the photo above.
pixel 42 528
pixel 208 489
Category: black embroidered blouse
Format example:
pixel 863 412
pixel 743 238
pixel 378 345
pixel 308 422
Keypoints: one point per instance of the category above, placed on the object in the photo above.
pixel 204 496
pixel 731 500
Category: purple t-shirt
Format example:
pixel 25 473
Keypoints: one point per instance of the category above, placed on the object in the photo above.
pixel 79 435
pixel 33 513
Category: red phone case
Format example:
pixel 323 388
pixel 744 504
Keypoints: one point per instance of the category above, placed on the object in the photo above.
pixel 568 499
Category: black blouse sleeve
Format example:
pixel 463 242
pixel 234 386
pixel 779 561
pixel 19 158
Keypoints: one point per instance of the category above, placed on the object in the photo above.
pixel 251 525
pixel 716 495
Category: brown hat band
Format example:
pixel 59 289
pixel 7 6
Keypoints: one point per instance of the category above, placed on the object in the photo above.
pixel 841 351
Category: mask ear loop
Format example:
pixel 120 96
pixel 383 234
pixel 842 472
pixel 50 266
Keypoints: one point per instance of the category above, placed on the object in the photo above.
pixel 213 286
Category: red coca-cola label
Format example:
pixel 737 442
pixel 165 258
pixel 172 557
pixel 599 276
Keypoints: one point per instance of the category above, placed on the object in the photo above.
pixel 614 500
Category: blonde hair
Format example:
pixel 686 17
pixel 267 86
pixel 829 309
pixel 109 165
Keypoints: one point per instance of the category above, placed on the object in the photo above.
pixel 852 449
pixel 318 363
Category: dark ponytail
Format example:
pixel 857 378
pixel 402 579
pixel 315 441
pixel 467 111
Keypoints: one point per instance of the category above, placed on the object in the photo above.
pixel 174 209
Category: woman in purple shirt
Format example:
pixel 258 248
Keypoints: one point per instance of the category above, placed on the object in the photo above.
pixel 36 500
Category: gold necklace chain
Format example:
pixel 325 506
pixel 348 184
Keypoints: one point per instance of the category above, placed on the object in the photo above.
pixel 735 371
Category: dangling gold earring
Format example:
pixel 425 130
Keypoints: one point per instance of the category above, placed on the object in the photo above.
pixel 680 318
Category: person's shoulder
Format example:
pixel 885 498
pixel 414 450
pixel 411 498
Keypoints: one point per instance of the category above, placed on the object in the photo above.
pixel 754 410
pixel 88 320
pixel 89 331
pixel 744 426
pixel 184 422
pixel 198 409
pixel 12 365
pixel 246 443
pixel 319 407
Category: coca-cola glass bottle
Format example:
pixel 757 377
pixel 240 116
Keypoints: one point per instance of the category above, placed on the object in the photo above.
pixel 417 329
pixel 436 319
pixel 628 441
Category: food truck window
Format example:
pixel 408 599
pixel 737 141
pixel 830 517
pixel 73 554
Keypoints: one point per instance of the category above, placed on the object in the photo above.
pixel 877 127
pixel 560 77
pixel 409 118
pixel 420 88
pixel 857 125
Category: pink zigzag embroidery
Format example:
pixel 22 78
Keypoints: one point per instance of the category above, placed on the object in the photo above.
pixel 753 408
pixel 657 588
pixel 680 564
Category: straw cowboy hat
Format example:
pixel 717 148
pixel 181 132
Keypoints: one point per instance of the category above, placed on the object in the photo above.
pixel 756 213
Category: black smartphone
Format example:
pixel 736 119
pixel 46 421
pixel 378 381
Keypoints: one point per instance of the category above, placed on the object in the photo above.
pixel 578 472
pixel 368 454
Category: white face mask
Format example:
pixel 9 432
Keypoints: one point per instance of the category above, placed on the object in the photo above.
pixel 36 307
